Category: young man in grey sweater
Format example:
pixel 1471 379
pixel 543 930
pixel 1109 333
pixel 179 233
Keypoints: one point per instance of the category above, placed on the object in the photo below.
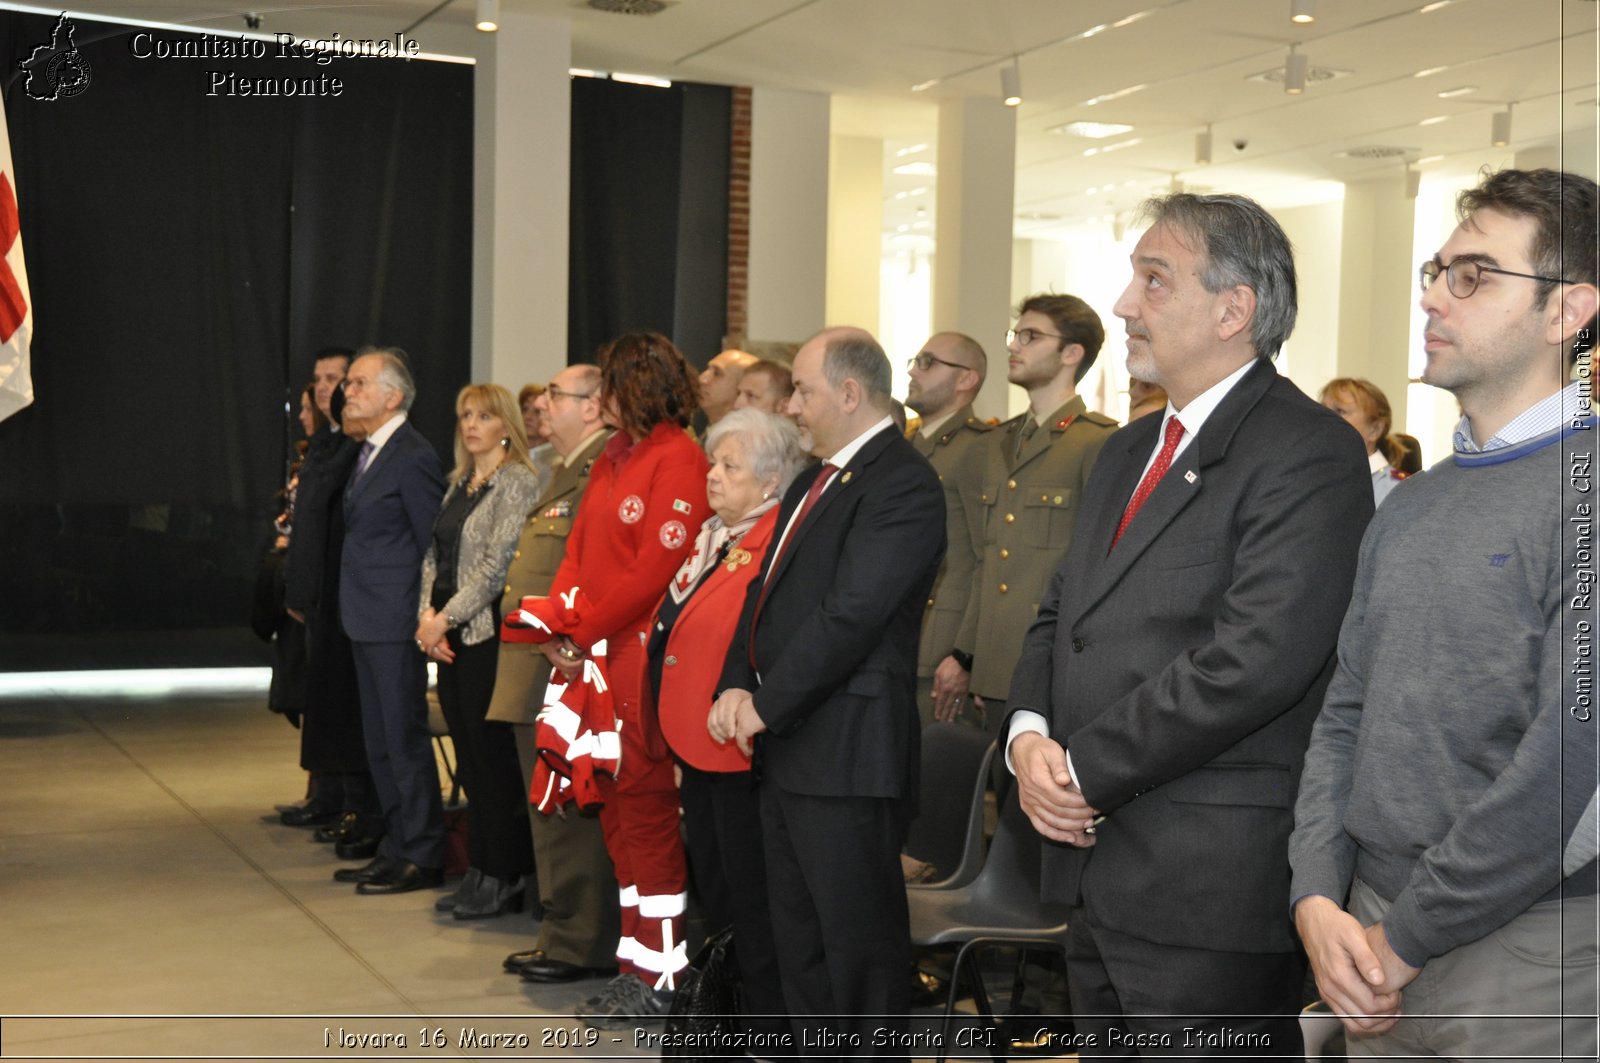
pixel 1444 874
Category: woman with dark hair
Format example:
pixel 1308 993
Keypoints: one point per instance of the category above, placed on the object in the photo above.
pixel 492 488
pixel 635 524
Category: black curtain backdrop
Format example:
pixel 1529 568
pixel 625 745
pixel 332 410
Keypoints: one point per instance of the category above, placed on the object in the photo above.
pixel 649 240
pixel 186 255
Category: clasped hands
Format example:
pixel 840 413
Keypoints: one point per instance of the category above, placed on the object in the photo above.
pixel 1359 975
pixel 1049 794
pixel 431 629
pixel 733 716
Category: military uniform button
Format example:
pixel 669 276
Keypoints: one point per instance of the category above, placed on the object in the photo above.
pixel 1011 518
pixel 1058 500
pixel 930 603
pixel 1011 484
pixel 516 555
pixel 1004 553
pixel 1003 588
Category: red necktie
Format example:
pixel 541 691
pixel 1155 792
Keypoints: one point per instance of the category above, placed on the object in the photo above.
pixel 1152 476
pixel 824 475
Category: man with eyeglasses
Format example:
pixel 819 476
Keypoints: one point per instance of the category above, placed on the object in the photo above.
pixel 1020 494
pixel 1443 885
pixel 578 916
pixel 945 377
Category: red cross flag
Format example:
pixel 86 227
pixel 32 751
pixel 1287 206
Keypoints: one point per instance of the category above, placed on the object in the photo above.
pixel 16 311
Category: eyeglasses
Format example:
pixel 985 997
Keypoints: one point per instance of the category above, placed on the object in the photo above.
pixel 1461 276
pixel 926 361
pixel 1025 336
pixel 554 393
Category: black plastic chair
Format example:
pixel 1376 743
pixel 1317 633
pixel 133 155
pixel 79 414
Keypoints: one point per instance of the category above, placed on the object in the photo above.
pixel 998 908
pixel 948 830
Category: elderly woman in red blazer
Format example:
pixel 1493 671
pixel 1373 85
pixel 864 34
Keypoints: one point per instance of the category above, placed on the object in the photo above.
pixel 754 455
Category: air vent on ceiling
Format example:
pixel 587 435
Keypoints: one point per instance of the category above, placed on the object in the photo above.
pixel 1375 151
pixel 629 7
pixel 1315 75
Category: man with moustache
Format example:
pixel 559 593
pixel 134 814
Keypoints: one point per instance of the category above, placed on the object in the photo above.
pixel 389 506
pixel 578 922
pixel 1021 493
pixel 719 383
pixel 1165 696
pixel 946 376
pixel 822 668
pixel 1443 885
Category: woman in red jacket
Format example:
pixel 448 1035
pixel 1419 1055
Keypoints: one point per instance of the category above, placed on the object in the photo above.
pixel 754 456
pixel 634 527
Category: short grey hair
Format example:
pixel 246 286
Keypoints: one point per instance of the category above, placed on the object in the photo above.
pixel 852 354
pixel 1241 244
pixel 395 375
pixel 771 443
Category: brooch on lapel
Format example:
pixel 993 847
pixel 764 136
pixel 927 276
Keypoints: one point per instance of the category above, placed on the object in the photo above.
pixel 738 556
pixel 846 477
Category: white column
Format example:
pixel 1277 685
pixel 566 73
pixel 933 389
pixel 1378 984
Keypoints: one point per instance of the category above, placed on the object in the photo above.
pixel 972 267
pixel 1377 285
pixel 523 132
pixel 855 232
pixel 788 214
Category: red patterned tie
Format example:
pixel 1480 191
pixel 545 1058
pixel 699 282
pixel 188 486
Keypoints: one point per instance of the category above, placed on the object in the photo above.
pixel 1152 476
pixel 824 475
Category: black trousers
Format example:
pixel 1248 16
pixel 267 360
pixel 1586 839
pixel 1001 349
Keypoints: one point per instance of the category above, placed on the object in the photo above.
pixel 840 920
pixel 498 842
pixel 1171 1001
pixel 722 817
pixel 394 722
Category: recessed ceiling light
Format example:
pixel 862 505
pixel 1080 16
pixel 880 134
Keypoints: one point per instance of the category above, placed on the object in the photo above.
pixel 1427 9
pixel 1119 94
pixel 912 150
pixel 924 86
pixel 916 169
pixel 1430 71
pixel 1435 120
pixel 1429 158
pixel 1094 130
pixel 643 79
pixel 1460 90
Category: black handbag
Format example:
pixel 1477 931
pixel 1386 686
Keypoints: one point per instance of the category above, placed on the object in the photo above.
pixel 703 1023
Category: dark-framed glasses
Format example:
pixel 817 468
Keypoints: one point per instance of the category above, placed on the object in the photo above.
pixel 553 393
pixel 1461 275
pixel 926 361
pixel 1025 336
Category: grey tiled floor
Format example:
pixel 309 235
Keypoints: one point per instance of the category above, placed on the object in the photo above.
pixel 150 905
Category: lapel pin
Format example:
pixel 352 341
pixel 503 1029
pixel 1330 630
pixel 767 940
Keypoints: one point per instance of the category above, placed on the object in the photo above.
pixel 846 477
pixel 1190 476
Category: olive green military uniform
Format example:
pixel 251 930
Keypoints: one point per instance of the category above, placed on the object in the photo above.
pixel 1020 511
pixel 946 450
pixel 581 922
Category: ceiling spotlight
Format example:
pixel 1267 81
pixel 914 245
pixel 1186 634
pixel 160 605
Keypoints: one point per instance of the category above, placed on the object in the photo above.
pixel 1500 129
pixel 1011 83
pixel 1294 72
pixel 488 16
pixel 1202 147
pixel 1303 11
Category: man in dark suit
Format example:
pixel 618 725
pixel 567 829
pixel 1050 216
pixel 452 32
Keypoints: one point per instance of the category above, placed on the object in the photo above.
pixel 1164 698
pixel 390 505
pixel 823 667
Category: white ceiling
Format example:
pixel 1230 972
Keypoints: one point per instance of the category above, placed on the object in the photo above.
pixel 1193 61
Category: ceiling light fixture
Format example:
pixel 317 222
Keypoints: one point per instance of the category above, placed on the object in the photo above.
pixel 1460 90
pixel 1202 147
pixel 1500 128
pixel 1302 11
pixel 1294 72
pixel 488 16
pixel 1435 120
pixel 1428 9
pixel 1430 71
pixel 1092 130
pixel 1011 83
pixel 1108 97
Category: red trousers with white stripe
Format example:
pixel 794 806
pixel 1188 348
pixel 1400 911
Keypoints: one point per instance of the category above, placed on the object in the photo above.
pixel 640 822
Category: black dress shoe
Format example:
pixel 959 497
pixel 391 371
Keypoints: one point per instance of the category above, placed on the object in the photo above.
pixel 403 877
pixel 358 848
pixel 493 898
pixel 312 815
pixel 337 831
pixel 378 867
pixel 546 969
pixel 515 962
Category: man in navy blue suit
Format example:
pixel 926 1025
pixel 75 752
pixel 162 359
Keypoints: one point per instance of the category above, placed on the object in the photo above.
pixel 390 505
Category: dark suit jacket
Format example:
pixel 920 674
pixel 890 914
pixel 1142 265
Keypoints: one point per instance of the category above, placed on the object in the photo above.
pixel 321 480
pixel 835 644
pixel 1183 670
pixel 389 513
